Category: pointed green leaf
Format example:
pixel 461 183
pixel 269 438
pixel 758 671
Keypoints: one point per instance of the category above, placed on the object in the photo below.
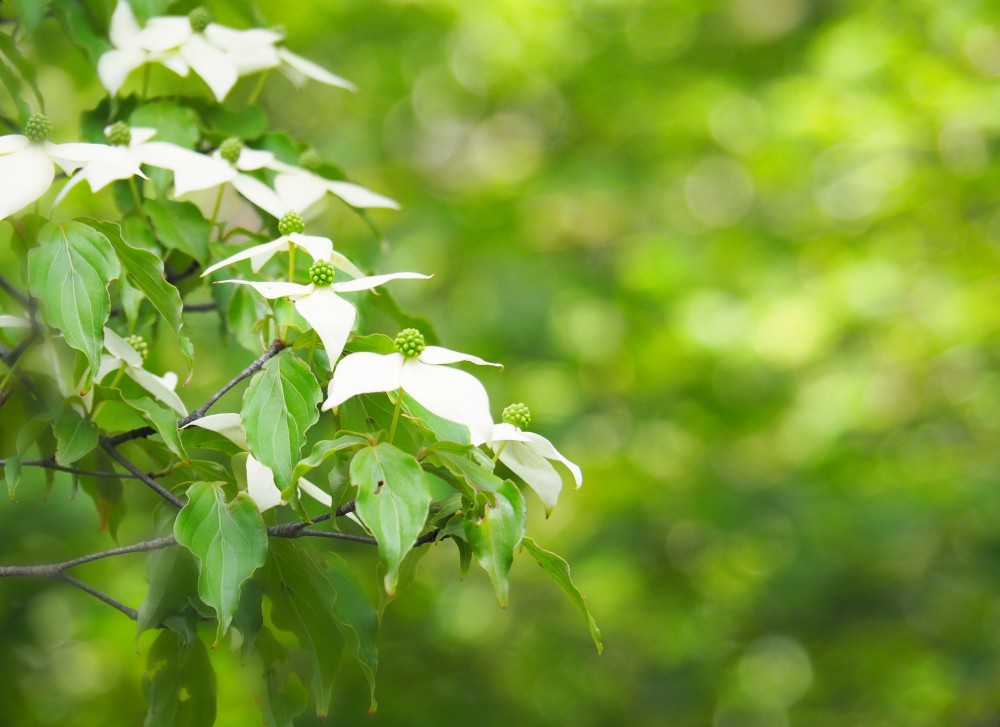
pixel 393 501
pixel 179 683
pixel 357 617
pixel 173 580
pixel 75 436
pixel 180 226
pixel 145 272
pixel 279 407
pixel 558 570
pixel 249 618
pixel 302 598
pixel 323 450
pixel 286 698
pixel 69 272
pixel 160 417
pixel 497 534
pixel 228 539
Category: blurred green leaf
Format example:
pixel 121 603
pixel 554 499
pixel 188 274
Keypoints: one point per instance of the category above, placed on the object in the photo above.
pixel 496 535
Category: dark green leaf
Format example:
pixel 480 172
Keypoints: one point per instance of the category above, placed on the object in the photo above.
pixel 179 683
pixel 357 617
pixel 496 535
pixel 173 580
pixel 180 226
pixel 75 436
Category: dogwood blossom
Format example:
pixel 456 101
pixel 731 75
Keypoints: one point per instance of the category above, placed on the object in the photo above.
pixel 290 226
pixel 421 372
pixel 216 53
pixel 527 455
pixel 260 479
pixel 308 190
pixel 121 354
pixel 28 163
pixel 330 316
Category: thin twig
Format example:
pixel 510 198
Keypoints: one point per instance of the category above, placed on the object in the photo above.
pixel 273 350
pixel 49 463
pixel 173 278
pixel 130 612
pixel 152 484
pixel 335 535
pixel 199 307
pixel 13 292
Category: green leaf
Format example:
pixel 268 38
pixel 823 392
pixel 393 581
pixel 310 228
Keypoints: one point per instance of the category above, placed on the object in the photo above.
pixel 26 68
pixel 302 598
pixel 228 539
pixel 173 580
pixel 558 570
pixel 249 617
pixel 241 315
pixel 173 122
pixel 323 450
pixel 146 9
pixel 393 501
pixel 279 407
pixel 179 683
pixel 75 436
pixel 77 24
pixel 145 272
pixel 31 12
pixel 286 698
pixel 496 535
pixel 469 463
pixel 357 617
pixel 162 418
pixel 69 273
pixel 180 226
pixel 12 475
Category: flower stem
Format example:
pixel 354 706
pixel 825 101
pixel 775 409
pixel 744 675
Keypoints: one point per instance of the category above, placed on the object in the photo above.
pixel 215 211
pixel 499 451
pixel 291 263
pixel 395 414
pixel 255 94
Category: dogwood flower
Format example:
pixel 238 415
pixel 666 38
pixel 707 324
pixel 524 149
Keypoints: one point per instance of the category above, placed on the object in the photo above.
pixel 9 321
pixel 527 455
pixel 420 371
pixel 128 354
pixel 308 189
pixel 330 316
pixel 219 55
pixel 28 163
pixel 260 479
pixel 291 227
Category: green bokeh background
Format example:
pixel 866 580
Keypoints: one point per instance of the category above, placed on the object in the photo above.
pixel 740 259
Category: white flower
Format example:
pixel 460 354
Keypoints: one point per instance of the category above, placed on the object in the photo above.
pixel 448 393
pixel 319 248
pixel 260 479
pixel 219 55
pixel 27 168
pixel 305 190
pixel 9 321
pixel 121 354
pixel 330 316
pixel 527 455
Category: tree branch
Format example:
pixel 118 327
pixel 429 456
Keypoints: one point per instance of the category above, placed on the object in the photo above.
pixel 152 484
pixel 130 612
pixel 49 463
pixel 13 292
pixel 273 350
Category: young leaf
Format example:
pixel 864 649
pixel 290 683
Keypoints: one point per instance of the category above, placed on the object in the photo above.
pixel 393 502
pixel 75 436
pixel 70 272
pixel 558 570
pixel 228 539
pixel 302 599
pixel 179 683
pixel 145 272
pixel 279 407
pixel 323 450
pixel 497 534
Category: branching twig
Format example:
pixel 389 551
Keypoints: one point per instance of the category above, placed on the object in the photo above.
pixel 49 463
pixel 272 351
pixel 152 484
pixel 130 612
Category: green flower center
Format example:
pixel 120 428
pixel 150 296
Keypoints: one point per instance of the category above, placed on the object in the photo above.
pixel 321 273
pixel 139 344
pixel 291 222
pixel 120 134
pixel 199 18
pixel 310 160
pixel 231 149
pixel 38 127
pixel 517 414
pixel 410 342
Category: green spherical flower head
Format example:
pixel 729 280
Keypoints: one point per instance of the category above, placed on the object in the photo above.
pixel 38 127
pixel 517 414
pixel 410 342
pixel 231 149
pixel 139 344
pixel 291 222
pixel 321 273
pixel 120 134
pixel 310 160
pixel 200 18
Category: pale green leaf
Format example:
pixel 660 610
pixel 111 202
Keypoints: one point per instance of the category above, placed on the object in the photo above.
pixel 75 436
pixel 323 450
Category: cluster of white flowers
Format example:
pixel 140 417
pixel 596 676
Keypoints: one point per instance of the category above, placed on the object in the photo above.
pixel 220 55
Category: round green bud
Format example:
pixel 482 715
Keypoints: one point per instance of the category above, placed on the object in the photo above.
pixel 231 149
pixel 321 272
pixel 139 344
pixel 291 222
pixel 199 18
pixel 517 414
pixel 410 342
pixel 38 127
pixel 310 160
pixel 120 134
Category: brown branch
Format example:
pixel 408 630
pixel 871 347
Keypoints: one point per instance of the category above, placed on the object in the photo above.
pixel 49 463
pixel 130 612
pixel 152 484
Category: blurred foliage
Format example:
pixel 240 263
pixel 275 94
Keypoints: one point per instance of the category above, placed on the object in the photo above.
pixel 739 257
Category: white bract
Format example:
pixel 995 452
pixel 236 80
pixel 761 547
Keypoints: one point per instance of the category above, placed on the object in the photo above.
pixel 296 187
pixel 138 151
pixel 27 168
pixel 218 54
pixel 330 316
pixel 448 393
pixel 319 248
pixel 260 479
pixel 9 321
pixel 120 354
pixel 527 455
